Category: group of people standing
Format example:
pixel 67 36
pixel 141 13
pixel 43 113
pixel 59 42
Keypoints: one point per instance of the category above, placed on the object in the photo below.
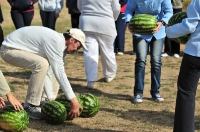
pixel 42 50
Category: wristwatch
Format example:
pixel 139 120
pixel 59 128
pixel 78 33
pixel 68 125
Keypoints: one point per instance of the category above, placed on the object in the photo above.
pixel 163 23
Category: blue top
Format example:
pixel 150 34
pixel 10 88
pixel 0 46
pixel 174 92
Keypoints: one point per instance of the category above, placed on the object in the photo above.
pixel 189 25
pixel 160 9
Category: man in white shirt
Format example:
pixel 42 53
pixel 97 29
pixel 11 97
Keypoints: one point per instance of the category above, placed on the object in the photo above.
pixel 40 49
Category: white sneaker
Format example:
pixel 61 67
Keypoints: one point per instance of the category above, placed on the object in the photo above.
pixel 164 55
pixel 176 55
pixel 120 53
pixel 90 85
pixel 109 79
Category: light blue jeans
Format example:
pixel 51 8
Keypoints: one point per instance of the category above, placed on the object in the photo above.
pixel 142 47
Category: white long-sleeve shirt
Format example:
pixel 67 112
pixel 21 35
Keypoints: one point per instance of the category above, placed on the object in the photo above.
pixel 44 42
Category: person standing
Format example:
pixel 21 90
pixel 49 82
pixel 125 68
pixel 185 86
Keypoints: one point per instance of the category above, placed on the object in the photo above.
pixel 74 12
pixel 120 24
pixel 162 11
pixel 41 49
pixel 22 12
pixel 189 73
pixel 49 12
pixel 171 47
pixel 1 30
pixel 97 21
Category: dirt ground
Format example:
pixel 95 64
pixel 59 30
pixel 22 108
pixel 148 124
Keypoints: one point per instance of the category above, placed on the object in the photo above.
pixel 117 113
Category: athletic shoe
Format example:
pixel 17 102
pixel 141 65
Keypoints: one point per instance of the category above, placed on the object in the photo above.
pixel 176 55
pixel 34 112
pixel 157 97
pixel 137 99
pixel 120 53
pixel 109 79
pixel 164 55
pixel 90 85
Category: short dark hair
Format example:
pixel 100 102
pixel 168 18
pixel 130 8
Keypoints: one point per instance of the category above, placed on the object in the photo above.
pixel 66 35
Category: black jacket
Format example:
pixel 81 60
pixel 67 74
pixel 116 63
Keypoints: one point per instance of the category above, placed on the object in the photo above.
pixel 1 15
pixel 22 5
pixel 72 7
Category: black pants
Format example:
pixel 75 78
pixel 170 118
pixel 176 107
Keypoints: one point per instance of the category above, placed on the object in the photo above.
pixel 75 20
pixel 1 36
pixel 22 19
pixel 48 19
pixel 172 47
pixel 185 102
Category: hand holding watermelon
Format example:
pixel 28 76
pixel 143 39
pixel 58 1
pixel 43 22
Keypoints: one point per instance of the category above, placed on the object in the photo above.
pixel 2 103
pixel 75 107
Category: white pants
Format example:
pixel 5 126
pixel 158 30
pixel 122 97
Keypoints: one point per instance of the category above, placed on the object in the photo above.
pixel 103 44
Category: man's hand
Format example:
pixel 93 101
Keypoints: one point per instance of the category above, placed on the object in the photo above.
pixel 75 107
pixel 2 103
pixel 15 103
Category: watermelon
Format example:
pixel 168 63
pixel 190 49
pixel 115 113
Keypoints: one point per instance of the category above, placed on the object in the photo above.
pixel 91 105
pixel 177 18
pixel 13 120
pixel 63 100
pixel 53 112
pixel 143 24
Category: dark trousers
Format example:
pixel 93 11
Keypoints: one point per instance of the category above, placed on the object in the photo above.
pixel 48 19
pixel 172 47
pixel 21 19
pixel 75 20
pixel 120 38
pixel 185 102
pixel 1 35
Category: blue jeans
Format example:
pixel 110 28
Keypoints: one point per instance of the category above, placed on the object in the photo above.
pixel 142 46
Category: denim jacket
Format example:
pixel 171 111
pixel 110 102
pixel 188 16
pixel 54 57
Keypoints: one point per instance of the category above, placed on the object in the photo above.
pixel 160 9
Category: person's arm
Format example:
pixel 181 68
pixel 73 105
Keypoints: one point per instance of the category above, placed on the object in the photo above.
pixel 115 8
pixel 15 103
pixel 59 6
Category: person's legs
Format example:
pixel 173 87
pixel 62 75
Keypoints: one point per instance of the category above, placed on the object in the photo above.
pixel 91 57
pixel 156 47
pixel 167 47
pixel 28 17
pixel 141 48
pixel 107 56
pixel 39 66
pixel 17 19
pixel 75 20
pixel 44 18
pixel 185 101
pixel 48 19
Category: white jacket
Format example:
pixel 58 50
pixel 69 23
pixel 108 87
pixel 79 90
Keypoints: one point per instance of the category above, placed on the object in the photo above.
pixel 51 5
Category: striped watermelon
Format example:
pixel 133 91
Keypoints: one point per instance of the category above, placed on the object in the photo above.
pixel 53 112
pixel 91 105
pixel 63 100
pixel 13 120
pixel 177 18
pixel 143 23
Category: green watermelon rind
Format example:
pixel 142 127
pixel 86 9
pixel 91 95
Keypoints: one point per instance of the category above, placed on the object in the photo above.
pixel 53 112
pixel 177 18
pixel 143 24
pixel 13 120
pixel 91 105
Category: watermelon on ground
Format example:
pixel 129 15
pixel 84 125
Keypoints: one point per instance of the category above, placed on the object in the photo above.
pixel 143 24
pixel 13 120
pixel 177 18
pixel 63 100
pixel 91 105
pixel 53 112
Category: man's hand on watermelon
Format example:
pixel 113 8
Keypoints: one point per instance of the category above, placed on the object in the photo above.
pixel 75 107
pixel 159 24
pixel 15 103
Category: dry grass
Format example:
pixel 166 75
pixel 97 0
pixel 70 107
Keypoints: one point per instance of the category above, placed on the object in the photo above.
pixel 117 113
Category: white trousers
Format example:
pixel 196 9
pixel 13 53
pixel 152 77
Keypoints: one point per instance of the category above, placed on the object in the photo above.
pixel 103 45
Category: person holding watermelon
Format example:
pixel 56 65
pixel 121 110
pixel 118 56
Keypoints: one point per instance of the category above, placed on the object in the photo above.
pixel 189 74
pixel 41 49
pixel 162 11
